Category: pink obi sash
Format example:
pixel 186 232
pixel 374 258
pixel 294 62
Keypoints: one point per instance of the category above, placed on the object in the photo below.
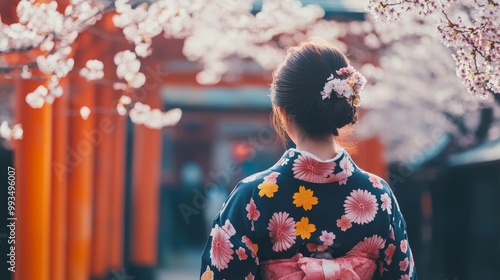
pixel 349 267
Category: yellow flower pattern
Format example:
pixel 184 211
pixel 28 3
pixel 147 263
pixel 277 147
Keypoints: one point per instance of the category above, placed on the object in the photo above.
pixel 304 198
pixel 282 203
pixel 267 188
pixel 208 274
pixel 304 228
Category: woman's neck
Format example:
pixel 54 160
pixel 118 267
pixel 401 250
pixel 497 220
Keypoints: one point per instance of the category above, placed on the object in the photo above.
pixel 324 149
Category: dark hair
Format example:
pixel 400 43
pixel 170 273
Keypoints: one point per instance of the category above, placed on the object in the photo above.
pixel 297 83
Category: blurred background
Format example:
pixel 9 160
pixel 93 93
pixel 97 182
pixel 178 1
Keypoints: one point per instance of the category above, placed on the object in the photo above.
pixel 119 176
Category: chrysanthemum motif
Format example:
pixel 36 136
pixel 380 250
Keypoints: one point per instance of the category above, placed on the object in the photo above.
pixel 360 206
pixel 221 251
pixel 282 231
pixel 370 247
pixel 310 170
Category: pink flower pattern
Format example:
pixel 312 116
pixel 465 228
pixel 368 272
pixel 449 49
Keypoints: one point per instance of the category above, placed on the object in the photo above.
pixel 360 206
pixel 370 246
pixel 252 213
pixel 242 255
pixel 272 178
pixel 389 252
pixel 250 246
pixel 375 180
pixel 327 238
pixel 344 223
pixel 221 250
pixel 308 169
pixel 403 245
pixel 282 231
pixel 233 251
pixel 347 169
pixel 403 265
pixel 386 203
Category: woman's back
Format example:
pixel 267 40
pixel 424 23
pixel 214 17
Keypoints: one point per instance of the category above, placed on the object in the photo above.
pixel 318 209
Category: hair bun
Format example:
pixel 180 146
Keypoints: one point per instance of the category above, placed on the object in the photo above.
pixel 341 114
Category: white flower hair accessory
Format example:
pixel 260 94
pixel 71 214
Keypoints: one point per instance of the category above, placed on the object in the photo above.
pixel 349 85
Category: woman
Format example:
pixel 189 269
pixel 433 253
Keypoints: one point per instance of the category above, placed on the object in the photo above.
pixel 314 214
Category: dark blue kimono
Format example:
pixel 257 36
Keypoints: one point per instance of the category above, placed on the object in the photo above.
pixel 312 208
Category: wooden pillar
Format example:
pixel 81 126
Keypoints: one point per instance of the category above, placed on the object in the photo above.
pixel 103 180
pixel 83 136
pixel 59 169
pixel 145 190
pixel 32 163
pixel 117 196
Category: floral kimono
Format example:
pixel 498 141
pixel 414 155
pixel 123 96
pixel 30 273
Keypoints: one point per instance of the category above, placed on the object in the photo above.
pixel 305 218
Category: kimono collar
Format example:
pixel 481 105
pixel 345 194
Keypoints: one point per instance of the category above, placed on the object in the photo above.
pixel 305 166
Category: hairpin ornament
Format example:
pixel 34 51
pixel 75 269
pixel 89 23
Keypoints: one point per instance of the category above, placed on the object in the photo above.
pixel 348 86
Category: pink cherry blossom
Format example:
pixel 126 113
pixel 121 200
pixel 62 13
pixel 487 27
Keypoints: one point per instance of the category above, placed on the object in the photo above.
pixel 327 238
pixel 346 166
pixel 403 265
pixel 386 203
pixel 360 206
pixel 389 253
pixel 253 214
pixel 344 223
pixel 271 178
pixel 242 255
pixel 391 232
pixel 228 228
pixel 250 245
pixel 404 245
pixel 375 180
pixel 282 231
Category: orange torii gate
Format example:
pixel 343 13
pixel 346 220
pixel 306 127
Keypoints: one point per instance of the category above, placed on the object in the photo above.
pixel 70 194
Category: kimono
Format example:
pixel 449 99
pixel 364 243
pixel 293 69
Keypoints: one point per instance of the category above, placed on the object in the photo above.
pixel 306 218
